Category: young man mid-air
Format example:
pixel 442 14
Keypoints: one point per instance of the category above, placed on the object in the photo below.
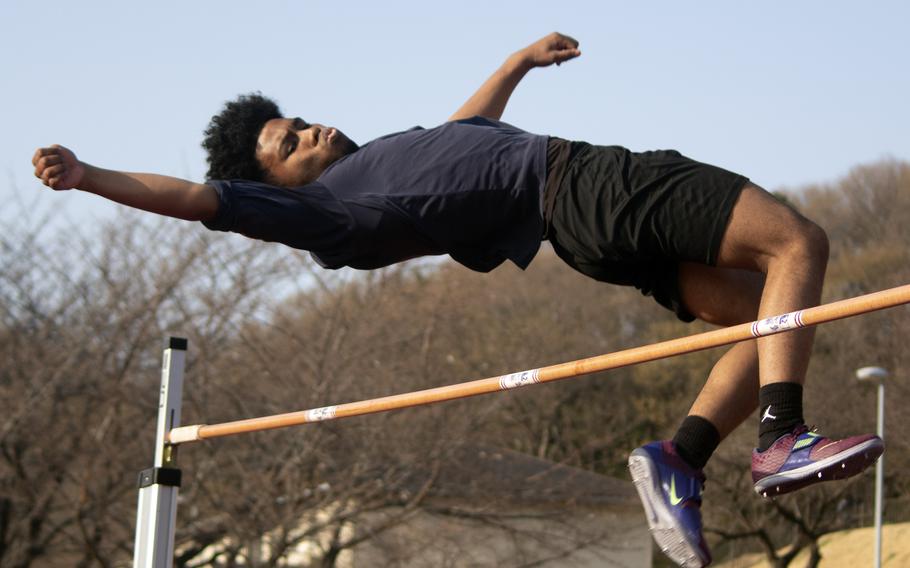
pixel 703 242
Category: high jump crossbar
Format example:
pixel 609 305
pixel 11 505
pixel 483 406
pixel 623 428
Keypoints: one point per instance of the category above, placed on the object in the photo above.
pixel 768 326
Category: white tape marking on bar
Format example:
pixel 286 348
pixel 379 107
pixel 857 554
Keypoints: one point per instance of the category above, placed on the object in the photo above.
pixel 777 324
pixel 515 380
pixel 324 413
pixel 184 434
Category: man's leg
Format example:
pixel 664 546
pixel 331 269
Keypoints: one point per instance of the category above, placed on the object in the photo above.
pixel 723 297
pixel 771 261
pixel 770 241
pixel 765 235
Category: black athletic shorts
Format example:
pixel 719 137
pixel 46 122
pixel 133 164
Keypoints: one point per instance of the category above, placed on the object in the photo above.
pixel 630 218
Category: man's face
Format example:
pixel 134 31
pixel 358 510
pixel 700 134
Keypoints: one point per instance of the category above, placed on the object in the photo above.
pixel 293 152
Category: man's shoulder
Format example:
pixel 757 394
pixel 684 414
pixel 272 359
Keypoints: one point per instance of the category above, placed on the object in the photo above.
pixel 398 133
pixel 478 120
pixel 453 125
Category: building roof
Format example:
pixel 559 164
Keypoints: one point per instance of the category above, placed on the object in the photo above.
pixel 490 474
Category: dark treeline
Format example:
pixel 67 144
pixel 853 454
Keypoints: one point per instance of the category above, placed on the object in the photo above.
pixel 82 318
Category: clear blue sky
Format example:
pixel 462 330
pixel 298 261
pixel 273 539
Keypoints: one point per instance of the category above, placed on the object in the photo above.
pixel 787 93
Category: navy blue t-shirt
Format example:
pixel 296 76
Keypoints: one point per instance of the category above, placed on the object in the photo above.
pixel 468 188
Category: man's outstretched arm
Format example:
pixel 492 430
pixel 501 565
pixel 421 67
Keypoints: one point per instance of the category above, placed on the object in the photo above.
pixel 58 168
pixel 491 98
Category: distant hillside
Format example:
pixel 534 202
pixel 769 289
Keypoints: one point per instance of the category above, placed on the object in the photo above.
pixel 847 549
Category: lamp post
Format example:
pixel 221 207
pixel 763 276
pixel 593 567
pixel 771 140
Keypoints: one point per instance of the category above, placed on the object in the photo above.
pixel 878 375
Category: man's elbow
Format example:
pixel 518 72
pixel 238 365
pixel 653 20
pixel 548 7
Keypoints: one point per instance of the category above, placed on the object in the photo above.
pixel 203 203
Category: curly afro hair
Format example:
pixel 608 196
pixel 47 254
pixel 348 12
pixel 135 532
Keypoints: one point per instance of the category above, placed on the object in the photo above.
pixel 230 138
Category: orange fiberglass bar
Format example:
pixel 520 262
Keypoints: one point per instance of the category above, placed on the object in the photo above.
pixel 767 326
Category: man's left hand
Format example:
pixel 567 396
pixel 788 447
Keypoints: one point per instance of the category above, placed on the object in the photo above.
pixel 554 48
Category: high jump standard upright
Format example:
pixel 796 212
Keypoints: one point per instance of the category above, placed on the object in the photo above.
pixel 156 516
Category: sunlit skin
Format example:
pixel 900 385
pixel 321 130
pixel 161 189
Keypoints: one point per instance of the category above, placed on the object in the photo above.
pixel 294 152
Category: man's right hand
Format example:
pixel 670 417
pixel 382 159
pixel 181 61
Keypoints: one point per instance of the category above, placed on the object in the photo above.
pixel 57 167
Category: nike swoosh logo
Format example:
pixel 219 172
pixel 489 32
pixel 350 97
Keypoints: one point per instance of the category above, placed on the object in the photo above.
pixel 674 498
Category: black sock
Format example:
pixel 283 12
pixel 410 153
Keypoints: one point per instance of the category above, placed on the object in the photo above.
pixel 696 440
pixel 781 407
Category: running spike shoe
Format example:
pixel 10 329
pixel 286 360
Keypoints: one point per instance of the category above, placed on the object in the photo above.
pixel 670 491
pixel 804 457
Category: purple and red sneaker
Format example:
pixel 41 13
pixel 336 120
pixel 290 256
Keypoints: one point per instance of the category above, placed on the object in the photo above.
pixel 670 490
pixel 802 457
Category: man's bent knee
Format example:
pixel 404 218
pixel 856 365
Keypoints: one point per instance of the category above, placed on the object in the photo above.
pixel 807 243
pixel 762 229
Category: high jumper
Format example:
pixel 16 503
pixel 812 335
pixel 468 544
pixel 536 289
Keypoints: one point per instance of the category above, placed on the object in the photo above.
pixel 704 242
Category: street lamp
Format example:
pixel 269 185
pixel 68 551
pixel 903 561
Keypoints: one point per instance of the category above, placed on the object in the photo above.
pixel 877 375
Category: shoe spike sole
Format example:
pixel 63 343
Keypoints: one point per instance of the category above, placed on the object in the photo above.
pixel 857 460
pixel 668 538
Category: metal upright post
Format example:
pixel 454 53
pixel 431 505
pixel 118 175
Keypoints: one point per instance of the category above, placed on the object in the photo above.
pixel 879 476
pixel 878 375
pixel 158 485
